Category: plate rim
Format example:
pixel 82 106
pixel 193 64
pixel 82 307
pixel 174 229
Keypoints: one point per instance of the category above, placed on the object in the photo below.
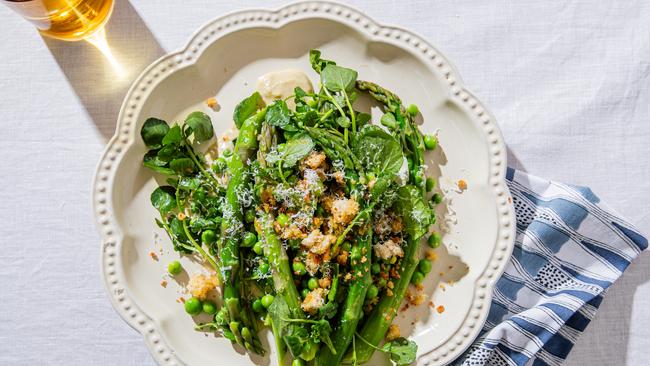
pixel 111 236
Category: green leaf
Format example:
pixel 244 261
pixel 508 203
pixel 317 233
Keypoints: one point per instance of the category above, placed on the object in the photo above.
pixel 296 149
pixel 402 351
pixel 362 119
pixel 247 108
pixel 163 199
pixel 176 227
pixel 173 136
pixel 317 63
pixel 200 125
pixel 343 121
pixel 168 153
pixel 336 78
pixel 189 183
pixel 153 162
pixel 153 131
pixel 378 151
pixel 182 165
pixel 414 211
pixel 278 114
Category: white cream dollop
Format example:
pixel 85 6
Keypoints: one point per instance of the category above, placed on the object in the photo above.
pixel 280 85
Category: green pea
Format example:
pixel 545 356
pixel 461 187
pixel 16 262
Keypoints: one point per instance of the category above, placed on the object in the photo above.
pixel 267 300
pixel 375 268
pixel 208 237
pixel 430 142
pixel 382 282
pixel 320 211
pixel 249 216
pixel 424 266
pixel 246 334
pixel 434 240
pixel 417 179
pixel 312 283
pixel 264 267
pixel 312 103
pixel 436 198
pixel 346 246
pixel 373 291
pixel 297 362
pixel 193 306
pixel 282 219
pixel 417 278
pixel 304 292
pixel 412 109
pixel 227 153
pixel 257 306
pixel 174 268
pixel 299 268
pixel 430 184
pixel 209 307
pixel 258 248
pixel 249 239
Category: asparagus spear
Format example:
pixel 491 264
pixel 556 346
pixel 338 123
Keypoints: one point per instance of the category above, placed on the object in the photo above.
pixel 353 308
pixel 231 229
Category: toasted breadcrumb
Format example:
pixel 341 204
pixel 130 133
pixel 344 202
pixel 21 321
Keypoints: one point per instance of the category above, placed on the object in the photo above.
pixel 339 177
pixel 312 262
pixel 318 243
pixel 431 255
pixel 440 309
pixel 212 104
pixel 200 285
pixel 388 249
pixel 314 160
pixel 181 216
pixel 163 283
pixel 462 184
pixel 325 282
pixel 153 255
pixel 393 332
pixel 344 210
pixel 314 300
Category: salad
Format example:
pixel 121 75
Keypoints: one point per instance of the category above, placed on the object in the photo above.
pixel 310 218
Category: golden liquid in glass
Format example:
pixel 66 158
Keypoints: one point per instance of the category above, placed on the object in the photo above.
pixel 69 20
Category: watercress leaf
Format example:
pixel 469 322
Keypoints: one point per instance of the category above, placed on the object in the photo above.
pixel 189 183
pixel 328 311
pixel 415 213
pixel 343 121
pixel 362 119
pixel 296 337
pixel 160 224
pixel 299 92
pixel 173 136
pixel 182 165
pixel 154 163
pixel 177 230
pixel 296 149
pixel 388 120
pixel 167 153
pixel 402 351
pixel 278 114
pixel 153 131
pixel 200 125
pixel 317 63
pixel 247 108
pixel 172 182
pixel 310 118
pixel 336 78
pixel 378 151
pixel 163 199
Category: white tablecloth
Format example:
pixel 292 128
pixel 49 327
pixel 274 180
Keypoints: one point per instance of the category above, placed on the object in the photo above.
pixel 568 81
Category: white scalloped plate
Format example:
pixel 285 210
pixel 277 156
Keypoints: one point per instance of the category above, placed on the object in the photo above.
pixel 224 58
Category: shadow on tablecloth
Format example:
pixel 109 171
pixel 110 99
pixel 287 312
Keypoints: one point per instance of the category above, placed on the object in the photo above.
pixel 99 86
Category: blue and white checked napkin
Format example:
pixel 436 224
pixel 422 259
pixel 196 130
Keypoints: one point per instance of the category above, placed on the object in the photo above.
pixel 569 249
